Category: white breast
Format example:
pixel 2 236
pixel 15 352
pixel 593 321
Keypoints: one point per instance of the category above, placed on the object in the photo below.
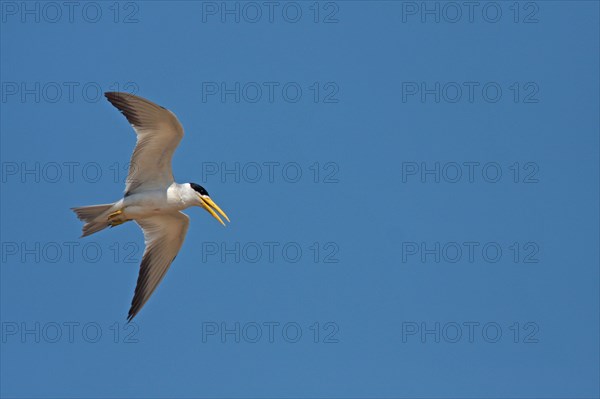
pixel 149 203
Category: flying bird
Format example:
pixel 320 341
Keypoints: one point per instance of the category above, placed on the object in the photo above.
pixel 152 198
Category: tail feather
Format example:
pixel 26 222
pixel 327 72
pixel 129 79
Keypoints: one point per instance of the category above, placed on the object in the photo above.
pixel 95 217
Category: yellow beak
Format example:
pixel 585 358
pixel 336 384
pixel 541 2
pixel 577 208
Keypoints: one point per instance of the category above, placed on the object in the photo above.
pixel 209 205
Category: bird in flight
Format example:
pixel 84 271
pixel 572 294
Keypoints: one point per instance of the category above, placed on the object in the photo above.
pixel 152 197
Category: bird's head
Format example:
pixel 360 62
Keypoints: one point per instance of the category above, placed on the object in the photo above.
pixel 204 201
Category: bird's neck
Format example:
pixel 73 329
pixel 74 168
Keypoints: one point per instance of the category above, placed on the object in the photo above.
pixel 183 194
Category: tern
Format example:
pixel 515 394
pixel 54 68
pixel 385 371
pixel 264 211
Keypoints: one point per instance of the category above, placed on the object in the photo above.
pixel 152 198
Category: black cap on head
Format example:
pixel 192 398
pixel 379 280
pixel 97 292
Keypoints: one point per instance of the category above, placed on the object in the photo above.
pixel 199 189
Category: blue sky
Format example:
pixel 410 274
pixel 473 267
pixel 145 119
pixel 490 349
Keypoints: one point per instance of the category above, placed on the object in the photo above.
pixel 413 189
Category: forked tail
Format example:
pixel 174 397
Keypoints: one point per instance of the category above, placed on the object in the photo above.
pixel 95 217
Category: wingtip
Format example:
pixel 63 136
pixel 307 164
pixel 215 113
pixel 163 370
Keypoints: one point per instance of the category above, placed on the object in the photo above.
pixel 132 313
pixel 115 96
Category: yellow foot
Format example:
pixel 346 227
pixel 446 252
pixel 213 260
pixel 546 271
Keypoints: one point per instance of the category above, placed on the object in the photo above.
pixel 112 219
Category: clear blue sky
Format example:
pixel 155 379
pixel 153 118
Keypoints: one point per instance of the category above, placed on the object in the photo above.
pixel 418 197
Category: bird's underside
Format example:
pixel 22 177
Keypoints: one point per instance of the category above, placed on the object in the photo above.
pixel 152 198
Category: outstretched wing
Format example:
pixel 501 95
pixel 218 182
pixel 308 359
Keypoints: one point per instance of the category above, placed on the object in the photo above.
pixel 164 235
pixel 158 135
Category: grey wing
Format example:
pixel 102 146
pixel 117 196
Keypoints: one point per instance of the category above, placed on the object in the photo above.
pixel 164 235
pixel 158 135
